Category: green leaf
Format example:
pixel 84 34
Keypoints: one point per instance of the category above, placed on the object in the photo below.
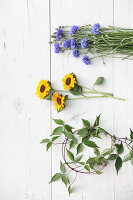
pixel 90 160
pixel 49 145
pixel 69 135
pixel 83 132
pixel 99 81
pixel 72 144
pixel 96 152
pixel 78 158
pixel 98 172
pixel 58 121
pixel 49 97
pixel 55 138
pixel 79 148
pixel 120 148
pixel 113 156
pixel 55 177
pixel 131 134
pixel 86 123
pixel 127 157
pixel 70 155
pixel 87 168
pixel 62 167
pixel 69 189
pixel 45 141
pixel 64 179
pixel 132 161
pixel 102 131
pixel 118 164
pixel 89 143
pixel 106 152
pixel 68 128
pixel 58 130
pixel 97 121
pixel 77 90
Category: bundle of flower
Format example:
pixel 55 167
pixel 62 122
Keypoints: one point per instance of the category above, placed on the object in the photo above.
pixel 94 41
pixel 73 149
pixel 71 86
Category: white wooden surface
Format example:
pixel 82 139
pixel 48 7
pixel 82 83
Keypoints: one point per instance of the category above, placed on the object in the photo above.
pixel 25 59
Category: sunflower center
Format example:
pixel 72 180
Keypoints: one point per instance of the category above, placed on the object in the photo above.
pixel 42 88
pixel 59 101
pixel 68 81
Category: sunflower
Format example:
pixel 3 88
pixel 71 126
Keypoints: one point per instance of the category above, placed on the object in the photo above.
pixel 69 81
pixel 42 89
pixel 58 101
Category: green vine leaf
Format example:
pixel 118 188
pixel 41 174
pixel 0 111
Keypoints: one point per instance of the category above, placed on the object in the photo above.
pixel 106 152
pixel 96 152
pixel 49 145
pixel 68 128
pixel 83 132
pixel 132 161
pixel 69 135
pixel 87 168
pixel 55 177
pixel 78 158
pixel 55 138
pixel 127 157
pixel 64 180
pixel 79 148
pixel 118 164
pixel 58 121
pixel 69 189
pixel 113 156
pixel 97 121
pixel 86 123
pixel 62 167
pixel 72 143
pixel 89 143
pixel 70 155
pixel 58 130
pixel 131 134
pixel 99 81
pixel 45 141
pixel 120 148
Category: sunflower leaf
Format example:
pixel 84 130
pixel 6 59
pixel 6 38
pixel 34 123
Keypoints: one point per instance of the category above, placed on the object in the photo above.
pixel 77 90
pixel 99 81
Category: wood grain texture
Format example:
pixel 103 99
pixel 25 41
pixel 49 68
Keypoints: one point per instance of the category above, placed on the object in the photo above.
pixel 25 59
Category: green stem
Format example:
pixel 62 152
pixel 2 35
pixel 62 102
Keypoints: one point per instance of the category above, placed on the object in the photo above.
pixel 104 93
pixel 90 97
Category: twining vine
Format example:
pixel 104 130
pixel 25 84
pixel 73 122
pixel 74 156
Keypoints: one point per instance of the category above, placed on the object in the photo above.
pixel 76 140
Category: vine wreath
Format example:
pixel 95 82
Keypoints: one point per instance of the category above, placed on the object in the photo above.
pixel 76 140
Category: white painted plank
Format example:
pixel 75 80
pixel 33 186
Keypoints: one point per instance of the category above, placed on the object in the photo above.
pixel 80 13
pixel 123 119
pixel 25 120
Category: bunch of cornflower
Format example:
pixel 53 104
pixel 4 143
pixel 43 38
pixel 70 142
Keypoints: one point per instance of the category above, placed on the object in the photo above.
pixel 94 41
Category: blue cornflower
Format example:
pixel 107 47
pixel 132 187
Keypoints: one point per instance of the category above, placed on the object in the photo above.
pixel 84 43
pixel 57 48
pixel 59 32
pixel 75 53
pixel 74 29
pixel 66 43
pixel 96 28
pixel 73 44
pixel 85 60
